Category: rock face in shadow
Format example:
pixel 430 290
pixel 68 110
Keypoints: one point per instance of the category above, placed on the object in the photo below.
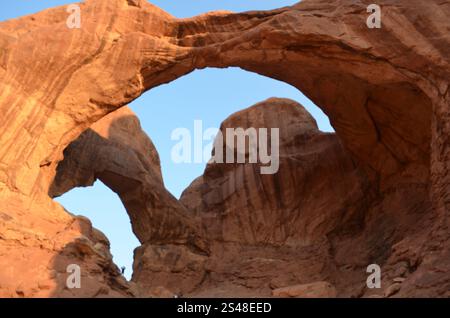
pixel 265 230
pixel 116 151
pixel 386 92
pixel 318 187
pixel 317 219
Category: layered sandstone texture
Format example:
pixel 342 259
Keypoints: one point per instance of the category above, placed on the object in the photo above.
pixel 116 151
pixel 376 192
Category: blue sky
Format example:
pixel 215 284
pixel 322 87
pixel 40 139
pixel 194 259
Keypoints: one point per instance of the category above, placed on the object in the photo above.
pixel 210 95
pixel 178 8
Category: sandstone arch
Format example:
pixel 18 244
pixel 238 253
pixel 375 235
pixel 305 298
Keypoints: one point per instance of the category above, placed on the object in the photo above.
pixel 116 151
pixel 385 91
pixel 106 73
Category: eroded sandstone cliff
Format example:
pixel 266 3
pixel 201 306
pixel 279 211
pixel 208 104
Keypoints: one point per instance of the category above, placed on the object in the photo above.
pixel 384 90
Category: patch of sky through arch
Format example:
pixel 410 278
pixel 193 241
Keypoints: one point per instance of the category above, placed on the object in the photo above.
pixel 209 95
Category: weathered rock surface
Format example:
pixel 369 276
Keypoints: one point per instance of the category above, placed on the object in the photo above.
pixel 313 290
pixel 319 218
pixel 116 151
pixel 317 188
pixel 39 240
pixel 386 92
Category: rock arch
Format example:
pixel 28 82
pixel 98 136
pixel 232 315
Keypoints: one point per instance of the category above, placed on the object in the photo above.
pixel 116 151
pixel 384 90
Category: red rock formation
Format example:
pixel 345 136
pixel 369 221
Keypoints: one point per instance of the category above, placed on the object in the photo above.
pixel 317 188
pixel 384 90
pixel 314 290
pixel 116 151
pixel 320 208
pixel 39 240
